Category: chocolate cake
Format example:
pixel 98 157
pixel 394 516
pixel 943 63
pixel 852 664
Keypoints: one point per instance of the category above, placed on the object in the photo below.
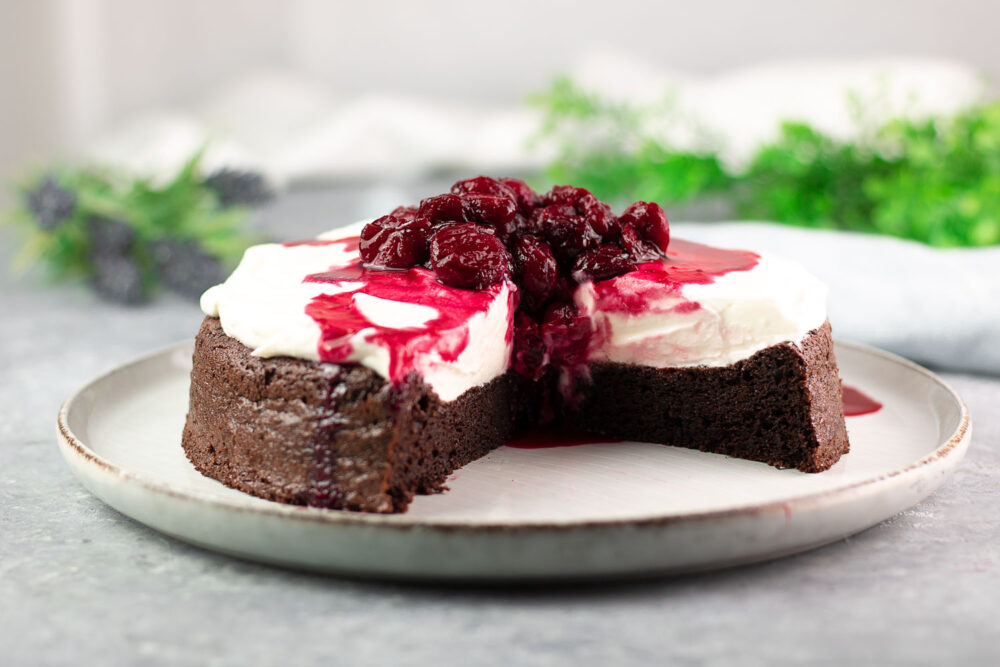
pixel 353 372
pixel 330 435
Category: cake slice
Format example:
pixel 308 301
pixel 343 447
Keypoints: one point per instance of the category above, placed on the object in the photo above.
pixel 361 368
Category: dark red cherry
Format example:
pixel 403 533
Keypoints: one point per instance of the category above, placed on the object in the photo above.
pixel 492 210
pixel 564 194
pixel 601 263
pixel 536 270
pixel 483 185
pixel 527 199
pixel 514 228
pixel 599 216
pixel 650 221
pixel 469 257
pixel 402 249
pixel 567 233
pixel 404 212
pixel 444 225
pixel 443 208
pixel 638 249
pixel 394 242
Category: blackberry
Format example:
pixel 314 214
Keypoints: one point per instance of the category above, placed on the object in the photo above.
pixel 185 268
pixel 236 187
pixel 109 236
pixel 118 278
pixel 51 203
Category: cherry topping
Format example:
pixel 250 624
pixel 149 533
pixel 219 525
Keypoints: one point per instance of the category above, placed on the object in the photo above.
pixel 394 243
pixel 405 212
pixel 640 250
pixel 564 194
pixel 650 221
pixel 514 228
pixel 403 249
pixel 442 208
pixel 469 257
pixel 568 233
pixel 491 210
pixel 483 185
pixel 536 270
pixel 527 199
pixel 487 230
pixel 599 216
pixel 601 263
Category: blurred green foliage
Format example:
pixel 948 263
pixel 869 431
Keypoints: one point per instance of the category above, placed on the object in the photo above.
pixel 934 180
pixel 184 209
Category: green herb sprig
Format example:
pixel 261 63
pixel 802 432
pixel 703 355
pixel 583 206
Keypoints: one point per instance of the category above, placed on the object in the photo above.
pixel 132 236
pixel 935 180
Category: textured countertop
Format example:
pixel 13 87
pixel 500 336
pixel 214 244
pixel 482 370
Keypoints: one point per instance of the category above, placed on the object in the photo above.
pixel 82 584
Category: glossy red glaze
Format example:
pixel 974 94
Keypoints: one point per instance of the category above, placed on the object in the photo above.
pixel 686 263
pixel 339 318
pixel 857 403
pixel 689 262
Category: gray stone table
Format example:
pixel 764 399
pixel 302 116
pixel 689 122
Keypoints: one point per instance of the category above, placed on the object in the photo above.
pixel 81 584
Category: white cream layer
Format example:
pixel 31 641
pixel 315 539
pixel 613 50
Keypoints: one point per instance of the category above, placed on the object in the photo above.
pixel 738 314
pixel 263 305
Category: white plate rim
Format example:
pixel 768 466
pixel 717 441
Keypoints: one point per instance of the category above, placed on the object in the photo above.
pixel 72 446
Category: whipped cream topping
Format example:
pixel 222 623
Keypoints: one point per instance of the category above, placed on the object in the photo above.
pixel 263 302
pixel 277 298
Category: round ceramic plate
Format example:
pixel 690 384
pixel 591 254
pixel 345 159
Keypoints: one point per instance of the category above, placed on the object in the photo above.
pixel 598 510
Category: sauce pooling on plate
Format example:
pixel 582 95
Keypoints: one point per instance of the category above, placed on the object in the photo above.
pixel 857 403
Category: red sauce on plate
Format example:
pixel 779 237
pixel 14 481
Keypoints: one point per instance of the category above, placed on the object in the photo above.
pixel 857 403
